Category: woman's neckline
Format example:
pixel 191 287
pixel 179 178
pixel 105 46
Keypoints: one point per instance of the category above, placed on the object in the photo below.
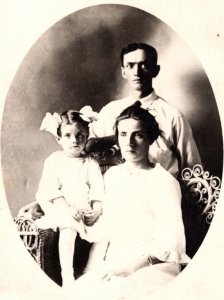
pixel 137 170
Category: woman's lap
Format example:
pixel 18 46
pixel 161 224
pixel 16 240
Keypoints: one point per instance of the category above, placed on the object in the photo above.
pixel 148 280
pixel 136 286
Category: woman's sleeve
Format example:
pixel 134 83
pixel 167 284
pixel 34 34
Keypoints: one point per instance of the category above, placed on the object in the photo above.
pixel 49 186
pixel 95 180
pixel 169 244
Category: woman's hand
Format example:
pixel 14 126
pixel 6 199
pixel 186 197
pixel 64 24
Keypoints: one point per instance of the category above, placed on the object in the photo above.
pixel 91 216
pixel 119 270
pixel 125 269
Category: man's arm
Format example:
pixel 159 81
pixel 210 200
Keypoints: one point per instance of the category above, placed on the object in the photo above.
pixel 186 147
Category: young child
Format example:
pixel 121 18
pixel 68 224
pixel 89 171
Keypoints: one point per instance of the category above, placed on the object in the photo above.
pixel 71 187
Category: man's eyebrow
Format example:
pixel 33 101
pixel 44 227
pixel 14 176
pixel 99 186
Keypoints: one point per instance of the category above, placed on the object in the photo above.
pixel 139 131
pixel 135 63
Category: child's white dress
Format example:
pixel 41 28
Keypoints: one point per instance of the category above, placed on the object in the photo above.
pixel 78 180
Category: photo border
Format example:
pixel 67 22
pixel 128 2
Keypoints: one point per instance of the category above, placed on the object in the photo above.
pixel 205 37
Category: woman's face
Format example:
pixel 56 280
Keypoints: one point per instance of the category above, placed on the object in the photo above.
pixel 73 139
pixel 133 140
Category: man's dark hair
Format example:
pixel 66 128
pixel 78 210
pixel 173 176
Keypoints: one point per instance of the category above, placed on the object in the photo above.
pixel 151 51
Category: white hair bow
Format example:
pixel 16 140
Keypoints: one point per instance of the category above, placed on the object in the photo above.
pixel 51 123
pixel 87 114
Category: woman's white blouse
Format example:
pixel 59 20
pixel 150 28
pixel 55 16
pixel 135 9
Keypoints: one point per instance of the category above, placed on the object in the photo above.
pixel 142 212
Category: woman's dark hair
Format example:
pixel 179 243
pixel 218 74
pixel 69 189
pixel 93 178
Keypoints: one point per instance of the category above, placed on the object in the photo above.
pixel 151 52
pixel 147 120
pixel 70 117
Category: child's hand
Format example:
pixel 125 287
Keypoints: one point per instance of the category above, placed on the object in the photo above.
pixel 76 214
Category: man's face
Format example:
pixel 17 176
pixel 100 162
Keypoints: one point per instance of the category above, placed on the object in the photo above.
pixel 139 70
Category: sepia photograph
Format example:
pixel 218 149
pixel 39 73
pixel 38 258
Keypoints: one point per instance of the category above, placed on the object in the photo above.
pixel 111 150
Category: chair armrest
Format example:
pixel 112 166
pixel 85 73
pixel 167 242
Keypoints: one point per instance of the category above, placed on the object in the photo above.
pixel 28 231
pixel 26 208
pixel 32 211
pixel 201 188
pixel 200 193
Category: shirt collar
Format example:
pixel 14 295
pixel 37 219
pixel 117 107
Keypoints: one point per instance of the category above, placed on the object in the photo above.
pixel 148 100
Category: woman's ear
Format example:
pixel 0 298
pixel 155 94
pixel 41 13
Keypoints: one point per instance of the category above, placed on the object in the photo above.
pixel 58 139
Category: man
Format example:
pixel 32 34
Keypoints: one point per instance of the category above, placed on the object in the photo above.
pixel 176 148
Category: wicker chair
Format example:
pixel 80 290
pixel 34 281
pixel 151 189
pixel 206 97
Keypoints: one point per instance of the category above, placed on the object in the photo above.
pixel 200 195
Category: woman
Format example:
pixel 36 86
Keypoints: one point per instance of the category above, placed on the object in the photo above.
pixel 142 217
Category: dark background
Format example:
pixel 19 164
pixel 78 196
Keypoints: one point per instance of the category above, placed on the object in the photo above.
pixel 75 63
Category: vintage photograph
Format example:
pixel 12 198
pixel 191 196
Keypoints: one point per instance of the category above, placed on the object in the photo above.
pixel 111 153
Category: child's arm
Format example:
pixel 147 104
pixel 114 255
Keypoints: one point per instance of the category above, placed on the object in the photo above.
pixel 96 194
pixel 49 187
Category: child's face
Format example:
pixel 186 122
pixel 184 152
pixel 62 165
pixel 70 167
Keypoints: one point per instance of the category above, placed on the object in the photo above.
pixel 133 140
pixel 73 139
